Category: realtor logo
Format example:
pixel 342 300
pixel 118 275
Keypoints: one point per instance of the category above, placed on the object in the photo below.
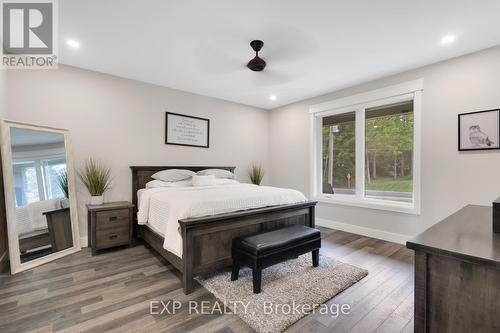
pixel 29 34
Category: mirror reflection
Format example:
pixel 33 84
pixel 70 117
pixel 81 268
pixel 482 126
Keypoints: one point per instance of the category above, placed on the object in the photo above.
pixel 42 211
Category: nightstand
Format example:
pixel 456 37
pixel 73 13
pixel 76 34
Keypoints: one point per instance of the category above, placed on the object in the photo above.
pixel 110 225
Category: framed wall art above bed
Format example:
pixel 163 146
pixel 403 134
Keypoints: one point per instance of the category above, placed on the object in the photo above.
pixel 183 130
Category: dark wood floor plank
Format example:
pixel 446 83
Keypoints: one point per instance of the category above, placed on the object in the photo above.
pixel 378 275
pixel 45 317
pixel 381 311
pixel 360 306
pixel 398 319
pixel 303 326
pixel 222 324
pixel 68 321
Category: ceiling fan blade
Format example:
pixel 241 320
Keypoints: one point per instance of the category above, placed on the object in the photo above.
pixel 270 77
pixel 214 61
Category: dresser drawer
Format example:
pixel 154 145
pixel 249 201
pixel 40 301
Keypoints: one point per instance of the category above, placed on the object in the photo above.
pixel 113 237
pixel 112 219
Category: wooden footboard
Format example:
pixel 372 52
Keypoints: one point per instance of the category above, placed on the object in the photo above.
pixel 207 240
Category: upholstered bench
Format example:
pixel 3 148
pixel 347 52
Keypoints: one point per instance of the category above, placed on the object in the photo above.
pixel 272 247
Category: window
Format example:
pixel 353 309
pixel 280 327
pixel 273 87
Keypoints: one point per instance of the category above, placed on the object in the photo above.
pixel 389 152
pixel 37 180
pixel 366 149
pixel 52 169
pixel 339 151
pixel 25 183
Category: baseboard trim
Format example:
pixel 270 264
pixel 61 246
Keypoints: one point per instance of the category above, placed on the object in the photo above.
pixel 84 241
pixel 369 232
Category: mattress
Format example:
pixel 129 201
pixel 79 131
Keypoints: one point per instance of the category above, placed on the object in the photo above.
pixel 161 208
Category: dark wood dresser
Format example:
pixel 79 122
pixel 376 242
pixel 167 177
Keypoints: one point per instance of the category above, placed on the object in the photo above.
pixel 110 225
pixel 457 274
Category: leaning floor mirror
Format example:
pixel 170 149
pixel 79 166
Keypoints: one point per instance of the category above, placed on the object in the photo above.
pixel 39 185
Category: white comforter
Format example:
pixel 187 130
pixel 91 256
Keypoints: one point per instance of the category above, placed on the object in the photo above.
pixel 162 208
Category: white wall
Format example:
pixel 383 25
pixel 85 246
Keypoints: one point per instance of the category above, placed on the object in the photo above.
pixel 122 123
pixel 2 93
pixel 450 179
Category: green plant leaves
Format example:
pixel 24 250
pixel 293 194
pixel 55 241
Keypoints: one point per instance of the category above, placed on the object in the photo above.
pixel 96 177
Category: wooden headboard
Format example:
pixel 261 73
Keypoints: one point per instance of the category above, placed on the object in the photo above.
pixel 142 174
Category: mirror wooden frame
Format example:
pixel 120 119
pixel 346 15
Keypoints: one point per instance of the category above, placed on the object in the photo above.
pixel 15 256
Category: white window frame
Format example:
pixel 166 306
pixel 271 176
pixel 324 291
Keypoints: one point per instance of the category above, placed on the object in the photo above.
pixel 411 90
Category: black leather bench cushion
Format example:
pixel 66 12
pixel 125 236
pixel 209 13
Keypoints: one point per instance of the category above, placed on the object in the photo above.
pixel 266 242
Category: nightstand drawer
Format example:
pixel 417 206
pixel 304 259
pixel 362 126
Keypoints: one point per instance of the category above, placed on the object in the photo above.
pixel 112 237
pixel 112 219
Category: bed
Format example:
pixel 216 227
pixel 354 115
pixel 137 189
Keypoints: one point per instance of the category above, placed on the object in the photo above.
pixel 31 223
pixel 206 241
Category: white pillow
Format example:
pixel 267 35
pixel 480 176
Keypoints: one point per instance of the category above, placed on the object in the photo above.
pixel 208 180
pixel 160 183
pixel 173 175
pixel 226 182
pixel 218 173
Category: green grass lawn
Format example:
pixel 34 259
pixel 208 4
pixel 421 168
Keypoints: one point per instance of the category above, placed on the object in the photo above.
pixel 401 184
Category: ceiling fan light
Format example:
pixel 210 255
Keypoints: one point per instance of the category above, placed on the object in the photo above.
pixel 256 64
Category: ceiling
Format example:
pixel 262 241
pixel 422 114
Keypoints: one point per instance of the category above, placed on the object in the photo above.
pixel 311 47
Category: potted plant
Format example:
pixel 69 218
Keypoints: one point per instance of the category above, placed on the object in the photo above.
pixel 256 173
pixel 96 178
pixel 62 182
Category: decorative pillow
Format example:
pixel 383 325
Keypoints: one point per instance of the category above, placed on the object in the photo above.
pixel 218 173
pixel 207 180
pixel 173 175
pixel 160 183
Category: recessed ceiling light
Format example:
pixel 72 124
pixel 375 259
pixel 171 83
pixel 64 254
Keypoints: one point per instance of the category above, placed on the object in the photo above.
pixel 73 43
pixel 448 39
pixel 272 97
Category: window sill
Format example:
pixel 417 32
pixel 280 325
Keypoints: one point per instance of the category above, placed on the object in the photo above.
pixel 370 203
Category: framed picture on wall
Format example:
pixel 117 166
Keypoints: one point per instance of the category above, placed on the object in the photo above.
pixel 186 130
pixel 479 130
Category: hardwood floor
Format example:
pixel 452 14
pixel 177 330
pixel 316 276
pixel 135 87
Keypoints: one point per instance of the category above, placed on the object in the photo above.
pixel 111 292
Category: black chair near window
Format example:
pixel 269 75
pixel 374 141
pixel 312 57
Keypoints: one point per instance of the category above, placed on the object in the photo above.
pixel 328 188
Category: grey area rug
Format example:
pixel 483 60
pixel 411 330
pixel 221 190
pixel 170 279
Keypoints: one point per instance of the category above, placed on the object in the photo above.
pixel 294 282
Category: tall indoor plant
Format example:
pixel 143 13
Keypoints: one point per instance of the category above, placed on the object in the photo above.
pixel 256 173
pixel 62 182
pixel 96 177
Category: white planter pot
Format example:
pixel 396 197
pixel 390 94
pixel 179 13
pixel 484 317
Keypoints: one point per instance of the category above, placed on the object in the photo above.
pixel 64 203
pixel 96 200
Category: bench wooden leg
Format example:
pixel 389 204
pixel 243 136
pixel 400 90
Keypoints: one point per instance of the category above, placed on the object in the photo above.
pixel 235 272
pixel 315 256
pixel 257 280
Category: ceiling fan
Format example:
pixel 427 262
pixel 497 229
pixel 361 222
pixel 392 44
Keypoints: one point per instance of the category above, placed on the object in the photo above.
pixel 217 61
pixel 257 64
